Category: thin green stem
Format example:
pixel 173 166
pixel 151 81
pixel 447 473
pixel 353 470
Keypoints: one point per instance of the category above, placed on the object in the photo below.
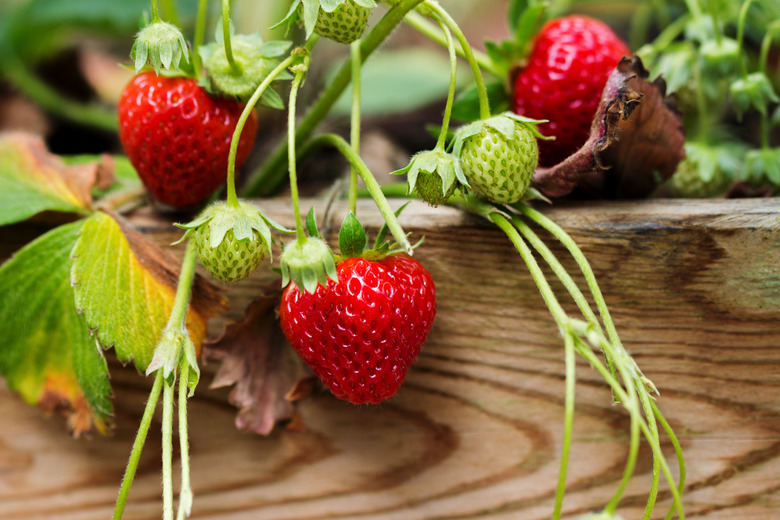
pixel 138 446
pixel 568 422
pixel 429 30
pixel 232 198
pixel 628 472
pixel 714 10
pixel 226 37
pixel 269 178
pixel 484 104
pixel 167 451
pixel 185 493
pixel 655 481
pixel 677 450
pixel 184 286
pixel 296 82
pixel 445 123
pixel 354 130
pixel 43 95
pixel 372 186
pixel 155 12
pixel 200 31
pixel 741 36
pixel 763 58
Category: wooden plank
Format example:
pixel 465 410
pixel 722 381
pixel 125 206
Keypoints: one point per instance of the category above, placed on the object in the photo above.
pixel 475 432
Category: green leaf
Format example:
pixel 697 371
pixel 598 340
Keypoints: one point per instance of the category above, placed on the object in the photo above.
pixel 32 180
pixel 529 24
pixel 47 354
pixel 125 285
pixel 352 237
pixel 515 12
pixel 399 81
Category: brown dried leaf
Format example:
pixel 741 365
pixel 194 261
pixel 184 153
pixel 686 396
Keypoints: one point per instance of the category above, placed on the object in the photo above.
pixel 256 359
pixel 636 141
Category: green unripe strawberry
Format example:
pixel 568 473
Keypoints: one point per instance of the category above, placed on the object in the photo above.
pixel 498 156
pixel 343 21
pixel 433 175
pixel 706 171
pixel 231 239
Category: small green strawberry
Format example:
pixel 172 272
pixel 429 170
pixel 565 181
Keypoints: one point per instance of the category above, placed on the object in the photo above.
pixel 343 21
pixel 434 175
pixel 499 156
pixel 231 240
pixel 707 171
pixel 160 44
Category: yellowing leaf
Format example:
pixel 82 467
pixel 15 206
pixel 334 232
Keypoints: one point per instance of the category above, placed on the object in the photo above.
pixel 47 353
pixel 32 180
pixel 125 285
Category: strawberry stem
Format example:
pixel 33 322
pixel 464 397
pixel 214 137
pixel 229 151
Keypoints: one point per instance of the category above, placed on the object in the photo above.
pixel 167 451
pixel 185 492
pixel 226 37
pixel 296 82
pixel 372 186
pixel 484 105
pixel 200 30
pixel 741 36
pixel 269 178
pixel 568 422
pixel 354 134
pixel 420 24
pixel 138 446
pixel 232 199
pixel 445 123
pixel 155 12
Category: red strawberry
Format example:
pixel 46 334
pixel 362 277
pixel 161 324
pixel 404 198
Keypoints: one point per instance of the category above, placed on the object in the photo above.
pixel 178 137
pixel 361 334
pixel 567 70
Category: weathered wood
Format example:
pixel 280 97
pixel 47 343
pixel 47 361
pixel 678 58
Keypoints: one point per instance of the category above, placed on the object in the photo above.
pixel 476 430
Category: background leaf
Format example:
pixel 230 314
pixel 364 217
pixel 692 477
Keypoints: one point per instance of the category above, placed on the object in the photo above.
pixel 32 180
pixel 125 285
pixel 47 354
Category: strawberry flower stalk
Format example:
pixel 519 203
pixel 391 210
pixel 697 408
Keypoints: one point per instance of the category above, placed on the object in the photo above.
pixel 435 174
pixel 159 43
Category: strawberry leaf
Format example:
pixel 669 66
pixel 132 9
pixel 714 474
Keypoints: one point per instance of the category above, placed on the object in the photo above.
pixel 32 180
pixel 256 361
pixel 47 354
pixel 125 286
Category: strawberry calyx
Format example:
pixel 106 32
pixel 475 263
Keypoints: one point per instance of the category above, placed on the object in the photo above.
pixel 434 175
pixel 161 44
pixel 254 59
pixel 308 263
pixel 353 242
pixel 504 123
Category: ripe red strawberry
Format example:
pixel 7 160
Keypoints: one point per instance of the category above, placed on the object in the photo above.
pixel 361 334
pixel 567 70
pixel 177 136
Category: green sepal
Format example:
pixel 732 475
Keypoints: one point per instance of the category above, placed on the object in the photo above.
pixel 752 92
pixel 255 59
pixel 352 237
pixel 160 44
pixel 311 224
pixel 308 264
pixel 173 343
pixel 381 237
pixel 434 163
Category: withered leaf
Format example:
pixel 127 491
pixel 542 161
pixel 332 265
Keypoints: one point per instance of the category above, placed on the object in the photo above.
pixel 636 141
pixel 257 361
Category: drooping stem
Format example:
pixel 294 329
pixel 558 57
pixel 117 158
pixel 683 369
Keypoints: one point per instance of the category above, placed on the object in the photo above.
pixel 484 105
pixel 270 176
pixel 200 31
pixel 354 129
pixel 232 198
pixel 184 287
pixel 741 36
pixel 226 37
pixel 426 28
pixel 655 480
pixel 568 422
pixel 445 123
pixel 372 186
pixel 138 446
pixel 167 451
pixel 185 492
pixel 296 82
pixel 677 450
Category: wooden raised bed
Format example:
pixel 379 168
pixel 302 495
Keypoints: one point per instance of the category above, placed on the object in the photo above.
pixel 475 432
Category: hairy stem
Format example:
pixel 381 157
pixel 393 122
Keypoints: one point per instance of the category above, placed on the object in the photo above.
pixel 354 129
pixel 372 186
pixel 226 37
pixel 138 446
pixel 232 198
pixel 185 493
pixel 445 123
pixel 269 178
pixel 167 451
pixel 296 82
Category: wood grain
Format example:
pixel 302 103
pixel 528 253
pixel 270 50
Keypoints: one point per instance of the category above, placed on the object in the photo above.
pixel 475 432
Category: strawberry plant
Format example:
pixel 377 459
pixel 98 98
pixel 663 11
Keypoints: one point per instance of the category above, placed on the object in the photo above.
pixel 564 107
